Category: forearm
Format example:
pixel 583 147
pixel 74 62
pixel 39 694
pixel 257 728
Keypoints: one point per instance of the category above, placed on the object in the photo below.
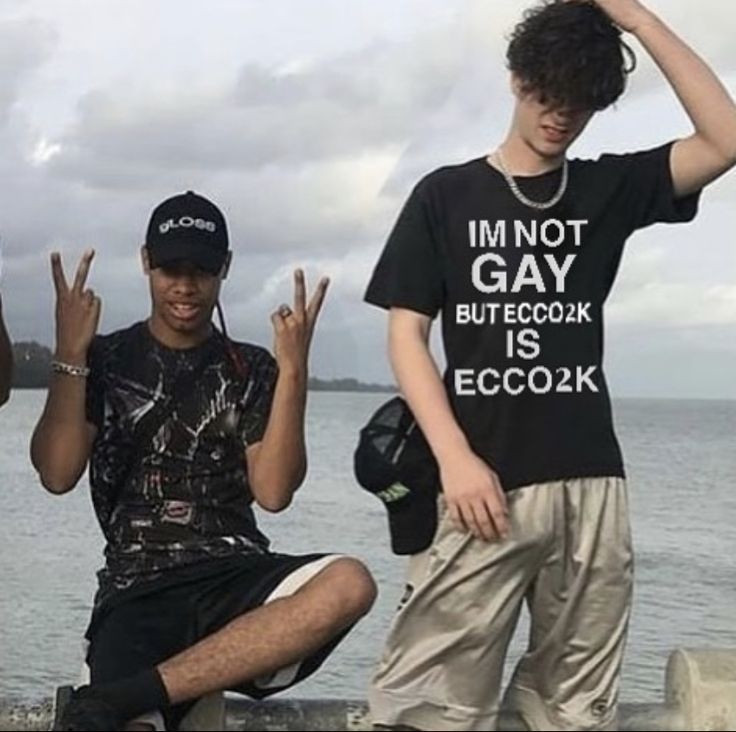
pixel 704 98
pixel 282 459
pixel 472 490
pixel 6 360
pixel 61 441
pixel 421 384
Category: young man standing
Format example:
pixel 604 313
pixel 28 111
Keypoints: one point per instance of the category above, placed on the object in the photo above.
pixel 518 251
pixel 183 429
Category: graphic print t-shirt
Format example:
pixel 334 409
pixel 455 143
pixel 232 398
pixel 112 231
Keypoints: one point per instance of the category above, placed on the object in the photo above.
pixel 521 293
pixel 183 498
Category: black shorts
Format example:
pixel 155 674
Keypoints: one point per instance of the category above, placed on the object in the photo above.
pixel 156 623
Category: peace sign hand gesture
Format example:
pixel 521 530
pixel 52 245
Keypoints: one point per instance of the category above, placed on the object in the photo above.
pixel 293 328
pixel 77 310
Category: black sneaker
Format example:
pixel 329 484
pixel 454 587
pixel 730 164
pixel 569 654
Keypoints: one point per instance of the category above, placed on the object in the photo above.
pixel 80 710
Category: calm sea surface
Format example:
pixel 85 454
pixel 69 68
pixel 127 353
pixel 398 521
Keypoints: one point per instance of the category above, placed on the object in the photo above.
pixel 681 463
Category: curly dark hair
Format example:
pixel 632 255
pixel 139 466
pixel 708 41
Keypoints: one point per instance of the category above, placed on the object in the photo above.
pixel 571 55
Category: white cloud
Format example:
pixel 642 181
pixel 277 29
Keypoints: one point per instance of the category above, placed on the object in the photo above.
pixel 347 106
pixel 24 46
pixel 677 305
pixel 44 151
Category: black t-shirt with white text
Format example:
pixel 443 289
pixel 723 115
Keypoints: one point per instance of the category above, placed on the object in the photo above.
pixel 521 293
pixel 183 498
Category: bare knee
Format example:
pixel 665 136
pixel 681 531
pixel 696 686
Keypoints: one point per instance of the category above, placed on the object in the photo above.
pixel 351 582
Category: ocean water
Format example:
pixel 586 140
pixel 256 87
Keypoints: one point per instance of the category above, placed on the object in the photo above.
pixel 681 464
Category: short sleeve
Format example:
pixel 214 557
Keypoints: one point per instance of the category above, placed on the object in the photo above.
pixel 647 190
pixel 95 394
pixel 409 273
pixel 258 396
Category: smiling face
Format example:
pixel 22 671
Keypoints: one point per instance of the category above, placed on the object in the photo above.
pixel 183 297
pixel 545 128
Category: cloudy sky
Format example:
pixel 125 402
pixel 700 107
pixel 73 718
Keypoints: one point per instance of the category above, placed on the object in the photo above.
pixel 308 122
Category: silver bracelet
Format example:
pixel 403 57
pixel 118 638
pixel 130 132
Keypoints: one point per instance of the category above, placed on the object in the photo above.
pixel 59 367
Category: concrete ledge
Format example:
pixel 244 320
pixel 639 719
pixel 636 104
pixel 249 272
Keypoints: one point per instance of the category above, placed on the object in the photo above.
pixel 312 715
pixel 25 717
pixel 700 694
pixel 317 715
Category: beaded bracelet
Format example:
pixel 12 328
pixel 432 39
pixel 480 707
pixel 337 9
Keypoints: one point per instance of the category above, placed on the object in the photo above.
pixel 60 367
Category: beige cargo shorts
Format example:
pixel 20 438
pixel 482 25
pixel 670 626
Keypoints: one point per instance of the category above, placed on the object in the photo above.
pixel 568 555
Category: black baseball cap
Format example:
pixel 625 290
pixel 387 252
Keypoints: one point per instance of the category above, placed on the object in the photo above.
pixel 394 462
pixel 187 227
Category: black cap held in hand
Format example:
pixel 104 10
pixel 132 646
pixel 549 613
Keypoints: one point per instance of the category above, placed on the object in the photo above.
pixel 394 462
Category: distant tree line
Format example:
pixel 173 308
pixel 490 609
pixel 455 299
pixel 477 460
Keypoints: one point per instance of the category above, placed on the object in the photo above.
pixel 33 364
pixel 348 384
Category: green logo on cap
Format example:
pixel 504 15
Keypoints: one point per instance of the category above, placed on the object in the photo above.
pixel 393 493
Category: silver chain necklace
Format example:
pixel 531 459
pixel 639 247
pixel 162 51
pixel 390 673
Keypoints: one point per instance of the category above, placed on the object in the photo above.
pixel 539 205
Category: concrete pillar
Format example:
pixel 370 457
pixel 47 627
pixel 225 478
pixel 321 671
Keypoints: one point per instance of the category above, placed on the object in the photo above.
pixel 702 685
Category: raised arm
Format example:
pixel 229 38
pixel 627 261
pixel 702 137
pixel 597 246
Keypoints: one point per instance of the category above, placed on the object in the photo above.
pixel 711 150
pixel 472 490
pixel 62 440
pixel 278 463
